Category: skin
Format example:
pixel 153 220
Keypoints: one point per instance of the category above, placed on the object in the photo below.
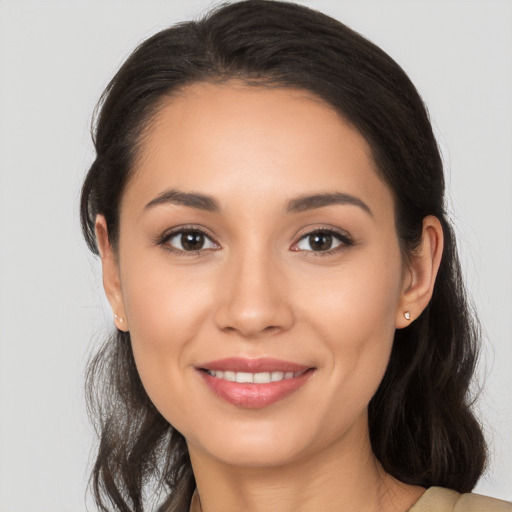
pixel 257 289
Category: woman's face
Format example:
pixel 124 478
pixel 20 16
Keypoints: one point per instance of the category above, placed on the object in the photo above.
pixel 257 243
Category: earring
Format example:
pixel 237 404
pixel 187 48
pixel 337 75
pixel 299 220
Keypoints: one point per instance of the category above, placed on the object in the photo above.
pixel 407 315
pixel 120 318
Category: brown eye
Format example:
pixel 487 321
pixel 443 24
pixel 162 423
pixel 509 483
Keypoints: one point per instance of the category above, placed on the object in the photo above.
pixel 192 241
pixel 321 241
pixel 189 241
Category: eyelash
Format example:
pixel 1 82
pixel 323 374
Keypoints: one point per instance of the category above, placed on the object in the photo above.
pixel 164 239
pixel 343 238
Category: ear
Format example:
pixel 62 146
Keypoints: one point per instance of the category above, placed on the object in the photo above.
pixel 111 277
pixel 422 271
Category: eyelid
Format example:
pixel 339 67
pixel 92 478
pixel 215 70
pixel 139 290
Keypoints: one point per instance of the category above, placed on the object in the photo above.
pixel 167 235
pixel 342 236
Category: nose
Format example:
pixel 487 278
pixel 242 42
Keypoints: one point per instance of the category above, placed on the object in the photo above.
pixel 253 298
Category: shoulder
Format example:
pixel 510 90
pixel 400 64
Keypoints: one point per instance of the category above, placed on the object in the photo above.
pixel 438 499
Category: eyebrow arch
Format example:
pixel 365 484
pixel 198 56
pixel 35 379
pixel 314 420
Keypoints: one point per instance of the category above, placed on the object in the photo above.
pixel 190 199
pixel 310 202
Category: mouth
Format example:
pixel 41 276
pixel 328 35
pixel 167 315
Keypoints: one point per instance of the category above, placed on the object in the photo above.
pixel 254 383
pixel 253 378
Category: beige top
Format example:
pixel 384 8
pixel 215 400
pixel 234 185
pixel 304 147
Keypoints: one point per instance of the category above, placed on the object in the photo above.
pixel 435 499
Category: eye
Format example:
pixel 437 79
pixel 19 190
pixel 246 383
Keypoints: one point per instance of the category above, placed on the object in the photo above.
pixel 190 240
pixel 322 241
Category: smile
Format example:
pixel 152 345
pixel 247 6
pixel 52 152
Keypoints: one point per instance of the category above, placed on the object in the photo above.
pixel 256 378
pixel 253 383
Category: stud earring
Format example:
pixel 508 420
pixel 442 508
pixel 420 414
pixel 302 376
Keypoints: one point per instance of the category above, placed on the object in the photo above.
pixel 407 315
pixel 120 318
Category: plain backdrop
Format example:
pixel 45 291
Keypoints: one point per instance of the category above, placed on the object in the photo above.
pixel 55 59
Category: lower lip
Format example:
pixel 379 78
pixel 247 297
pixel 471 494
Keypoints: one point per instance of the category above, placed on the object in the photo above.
pixel 254 396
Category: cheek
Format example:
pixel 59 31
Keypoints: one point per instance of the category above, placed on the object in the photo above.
pixel 164 303
pixel 359 299
pixel 355 311
pixel 165 309
pixel 162 310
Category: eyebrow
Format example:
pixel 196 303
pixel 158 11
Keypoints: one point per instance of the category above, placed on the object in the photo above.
pixel 310 202
pixel 298 204
pixel 190 199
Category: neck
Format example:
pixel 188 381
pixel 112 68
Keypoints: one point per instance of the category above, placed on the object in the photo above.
pixel 345 475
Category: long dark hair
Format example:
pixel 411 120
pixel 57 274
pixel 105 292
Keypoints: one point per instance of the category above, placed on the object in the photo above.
pixel 421 425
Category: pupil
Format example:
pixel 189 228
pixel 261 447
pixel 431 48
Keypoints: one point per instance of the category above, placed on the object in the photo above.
pixel 192 241
pixel 320 241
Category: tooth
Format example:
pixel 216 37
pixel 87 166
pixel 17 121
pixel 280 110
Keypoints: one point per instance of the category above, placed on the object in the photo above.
pixel 230 376
pixel 262 378
pixel 242 377
pixel 275 376
pixel 247 377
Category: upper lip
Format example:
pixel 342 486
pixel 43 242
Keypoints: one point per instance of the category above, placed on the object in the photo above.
pixel 242 364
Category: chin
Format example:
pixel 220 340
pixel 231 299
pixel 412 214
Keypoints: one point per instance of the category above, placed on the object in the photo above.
pixel 255 453
pixel 259 443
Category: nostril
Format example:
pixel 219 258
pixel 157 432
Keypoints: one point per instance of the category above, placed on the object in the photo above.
pixel 251 315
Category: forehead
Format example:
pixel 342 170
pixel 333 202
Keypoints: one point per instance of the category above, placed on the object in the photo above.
pixel 232 139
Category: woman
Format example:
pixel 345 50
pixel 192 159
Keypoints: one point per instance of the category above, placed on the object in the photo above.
pixel 292 330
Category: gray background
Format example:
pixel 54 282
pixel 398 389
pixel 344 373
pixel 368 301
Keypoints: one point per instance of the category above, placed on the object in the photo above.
pixel 55 59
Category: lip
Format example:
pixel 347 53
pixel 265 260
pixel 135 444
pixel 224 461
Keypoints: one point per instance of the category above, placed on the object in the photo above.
pixel 242 364
pixel 251 395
